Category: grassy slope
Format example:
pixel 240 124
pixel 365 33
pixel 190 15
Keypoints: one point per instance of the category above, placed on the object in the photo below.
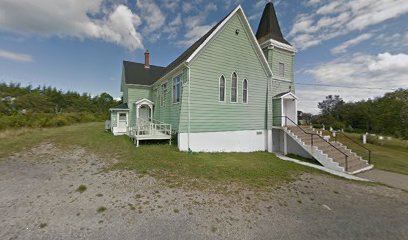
pixel 259 168
pixel 392 155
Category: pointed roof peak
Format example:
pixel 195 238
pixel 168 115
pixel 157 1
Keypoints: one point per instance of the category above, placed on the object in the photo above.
pixel 269 26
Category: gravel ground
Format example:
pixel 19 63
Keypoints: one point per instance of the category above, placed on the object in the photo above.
pixel 39 199
pixel 392 179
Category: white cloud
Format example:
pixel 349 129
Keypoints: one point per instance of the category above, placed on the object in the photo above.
pixel 367 75
pixel 335 18
pixel 313 2
pixel 72 18
pixel 387 62
pixel 195 26
pixel 173 27
pixel 171 4
pixel 187 7
pixel 18 57
pixel 405 39
pixel 342 48
pixel 229 4
pixel 152 14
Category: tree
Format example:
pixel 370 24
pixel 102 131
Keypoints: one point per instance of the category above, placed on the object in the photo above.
pixel 329 105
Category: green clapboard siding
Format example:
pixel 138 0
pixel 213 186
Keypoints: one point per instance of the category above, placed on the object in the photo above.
pixel 113 118
pixel 274 57
pixel 225 54
pixel 134 94
pixel 277 111
pixel 170 112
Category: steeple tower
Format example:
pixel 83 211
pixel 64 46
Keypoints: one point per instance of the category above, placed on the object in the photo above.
pixel 279 53
pixel 269 26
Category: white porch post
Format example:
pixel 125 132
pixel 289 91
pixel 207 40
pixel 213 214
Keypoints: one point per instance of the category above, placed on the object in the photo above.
pixel 282 113
pixel 137 111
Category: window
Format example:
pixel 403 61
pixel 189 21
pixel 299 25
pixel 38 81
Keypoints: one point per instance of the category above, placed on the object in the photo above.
pixel 222 89
pixel 163 94
pixel 234 87
pixel 122 116
pixel 281 69
pixel 245 91
pixel 176 89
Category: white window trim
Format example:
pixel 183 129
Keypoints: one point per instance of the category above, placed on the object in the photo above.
pixel 283 75
pixel 247 93
pixel 162 97
pixel 175 89
pixel 237 90
pixel 225 88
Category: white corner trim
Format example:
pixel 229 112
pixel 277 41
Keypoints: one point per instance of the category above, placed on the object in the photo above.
pixel 274 43
pixel 333 172
pixel 257 46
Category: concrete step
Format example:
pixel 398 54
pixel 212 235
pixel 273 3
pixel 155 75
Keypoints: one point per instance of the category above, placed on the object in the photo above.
pixel 332 149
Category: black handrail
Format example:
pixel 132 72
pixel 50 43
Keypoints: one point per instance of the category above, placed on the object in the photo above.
pixel 369 151
pixel 314 134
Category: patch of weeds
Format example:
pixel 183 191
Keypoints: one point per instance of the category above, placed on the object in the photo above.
pixel 176 210
pixel 43 225
pixel 78 214
pixel 336 192
pixel 299 201
pixel 99 195
pixel 138 195
pixel 131 206
pixel 81 188
pixel 100 221
pixel 101 209
pixel 213 229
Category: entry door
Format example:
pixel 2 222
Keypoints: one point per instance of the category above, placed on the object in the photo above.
pixel 122 122
pixel 144 112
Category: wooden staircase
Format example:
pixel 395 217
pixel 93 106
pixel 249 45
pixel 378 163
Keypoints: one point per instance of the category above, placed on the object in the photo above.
pixel 331 154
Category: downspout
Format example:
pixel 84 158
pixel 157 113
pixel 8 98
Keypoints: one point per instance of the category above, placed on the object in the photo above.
pixel 189 107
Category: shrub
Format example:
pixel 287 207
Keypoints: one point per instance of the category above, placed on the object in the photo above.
pixel 40 120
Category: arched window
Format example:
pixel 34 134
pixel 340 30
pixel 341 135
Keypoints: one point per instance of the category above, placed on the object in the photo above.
pixel 234 87
pixel 245 91
pixel 222 89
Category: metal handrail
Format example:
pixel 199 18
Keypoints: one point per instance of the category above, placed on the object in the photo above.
pixel 314 134
pixel 369 151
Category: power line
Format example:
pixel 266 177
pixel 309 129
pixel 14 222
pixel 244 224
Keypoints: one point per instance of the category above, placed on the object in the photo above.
pixel 339 86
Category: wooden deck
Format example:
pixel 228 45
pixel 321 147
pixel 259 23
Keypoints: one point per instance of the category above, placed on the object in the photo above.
pixel 149 130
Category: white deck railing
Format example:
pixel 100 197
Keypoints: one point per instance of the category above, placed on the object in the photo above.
pixel 145 127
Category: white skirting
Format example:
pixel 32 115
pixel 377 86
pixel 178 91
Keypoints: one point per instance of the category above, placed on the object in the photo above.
pixel 229 141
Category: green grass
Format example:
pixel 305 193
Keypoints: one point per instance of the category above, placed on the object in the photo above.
pixel 101 209
pixel 81 188
pixel 390 155
pixel 161 160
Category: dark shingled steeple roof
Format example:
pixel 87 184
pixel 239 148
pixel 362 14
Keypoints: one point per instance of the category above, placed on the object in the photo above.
pixel 269 26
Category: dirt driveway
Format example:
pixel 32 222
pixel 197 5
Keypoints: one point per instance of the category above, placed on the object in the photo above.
pixel 40 199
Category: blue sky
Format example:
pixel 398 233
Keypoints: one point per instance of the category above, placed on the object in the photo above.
pixel 79 45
